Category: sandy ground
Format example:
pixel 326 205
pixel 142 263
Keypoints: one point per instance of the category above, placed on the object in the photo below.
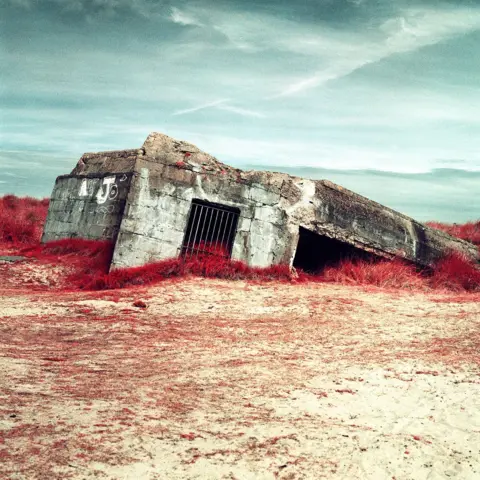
pixel 236 380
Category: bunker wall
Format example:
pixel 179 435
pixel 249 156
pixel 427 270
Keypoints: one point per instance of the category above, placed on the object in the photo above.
pixel 88 207
pixel 364 224
pixel 158 208
pixel 384 230
pixel 336 212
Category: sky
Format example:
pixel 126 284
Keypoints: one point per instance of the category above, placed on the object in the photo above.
pixel 380 96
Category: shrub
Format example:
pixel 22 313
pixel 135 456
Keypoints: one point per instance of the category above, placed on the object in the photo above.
pixel 11 202
pixel 380 273
pixel 469 231
pixel 457 273
pixel 208 266
pixel 21 220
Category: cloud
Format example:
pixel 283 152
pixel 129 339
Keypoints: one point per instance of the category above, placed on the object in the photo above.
pixel 92 10
pixel 199 107
pixel 241 111
pixel 241 29
pixel 182 18
pixel 10 174
pixel 336 52
pixel 221 105
pixel 417 28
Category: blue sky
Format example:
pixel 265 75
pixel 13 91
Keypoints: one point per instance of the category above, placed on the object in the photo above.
pixel 382 97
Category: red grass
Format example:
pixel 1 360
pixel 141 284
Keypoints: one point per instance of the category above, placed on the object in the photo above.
pixel 94 255
pixel 381 273
pixel 209 266
pixel 206 249
pixel 85 259
pixel 456 273
pixel 21 220
pixel 469 231
pixel 89 262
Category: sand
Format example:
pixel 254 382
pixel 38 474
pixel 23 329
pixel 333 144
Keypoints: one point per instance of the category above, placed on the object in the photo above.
pixel 236 380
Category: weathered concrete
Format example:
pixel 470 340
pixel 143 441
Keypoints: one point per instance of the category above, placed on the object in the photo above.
pixel 88 206
pixel 142 198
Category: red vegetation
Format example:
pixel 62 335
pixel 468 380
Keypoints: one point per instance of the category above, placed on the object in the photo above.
pixel 84 259
pixel 381 273
pixel 207 249
pixel 469 231
pixel 91 256
pixel 21 220
pixel 87 262
pixel 209 266
pixel 456 273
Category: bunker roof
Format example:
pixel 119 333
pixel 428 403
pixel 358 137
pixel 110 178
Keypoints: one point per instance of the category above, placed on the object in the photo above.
pixel 160 149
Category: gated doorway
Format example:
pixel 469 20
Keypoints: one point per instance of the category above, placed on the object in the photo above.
pixel 211 230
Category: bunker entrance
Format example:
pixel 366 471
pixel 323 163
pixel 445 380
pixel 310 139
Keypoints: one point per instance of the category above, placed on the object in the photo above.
pixel 315 252
pixel 211 230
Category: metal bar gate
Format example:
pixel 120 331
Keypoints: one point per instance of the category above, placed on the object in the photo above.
pixel 211 230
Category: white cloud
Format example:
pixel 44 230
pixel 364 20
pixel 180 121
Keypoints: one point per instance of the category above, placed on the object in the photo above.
pixel 200 107
pixel 9 174
pixel 221 105
pixel 183 18
pixel 240 111
pixel 337 53
pixel 416 29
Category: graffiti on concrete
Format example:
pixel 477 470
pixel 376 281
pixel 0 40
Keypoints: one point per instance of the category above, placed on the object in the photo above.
pixel 105 210
pixel 108 189
pixel 83 188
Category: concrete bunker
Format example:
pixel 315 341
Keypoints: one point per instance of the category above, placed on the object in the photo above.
pixel 169 199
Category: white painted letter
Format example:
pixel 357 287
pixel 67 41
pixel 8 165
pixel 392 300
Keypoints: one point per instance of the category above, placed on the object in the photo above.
pixel 83 188
pixel 104 190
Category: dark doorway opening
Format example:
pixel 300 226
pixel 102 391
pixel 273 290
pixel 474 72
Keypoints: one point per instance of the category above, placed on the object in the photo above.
pixel 211 229
pixel 315 252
